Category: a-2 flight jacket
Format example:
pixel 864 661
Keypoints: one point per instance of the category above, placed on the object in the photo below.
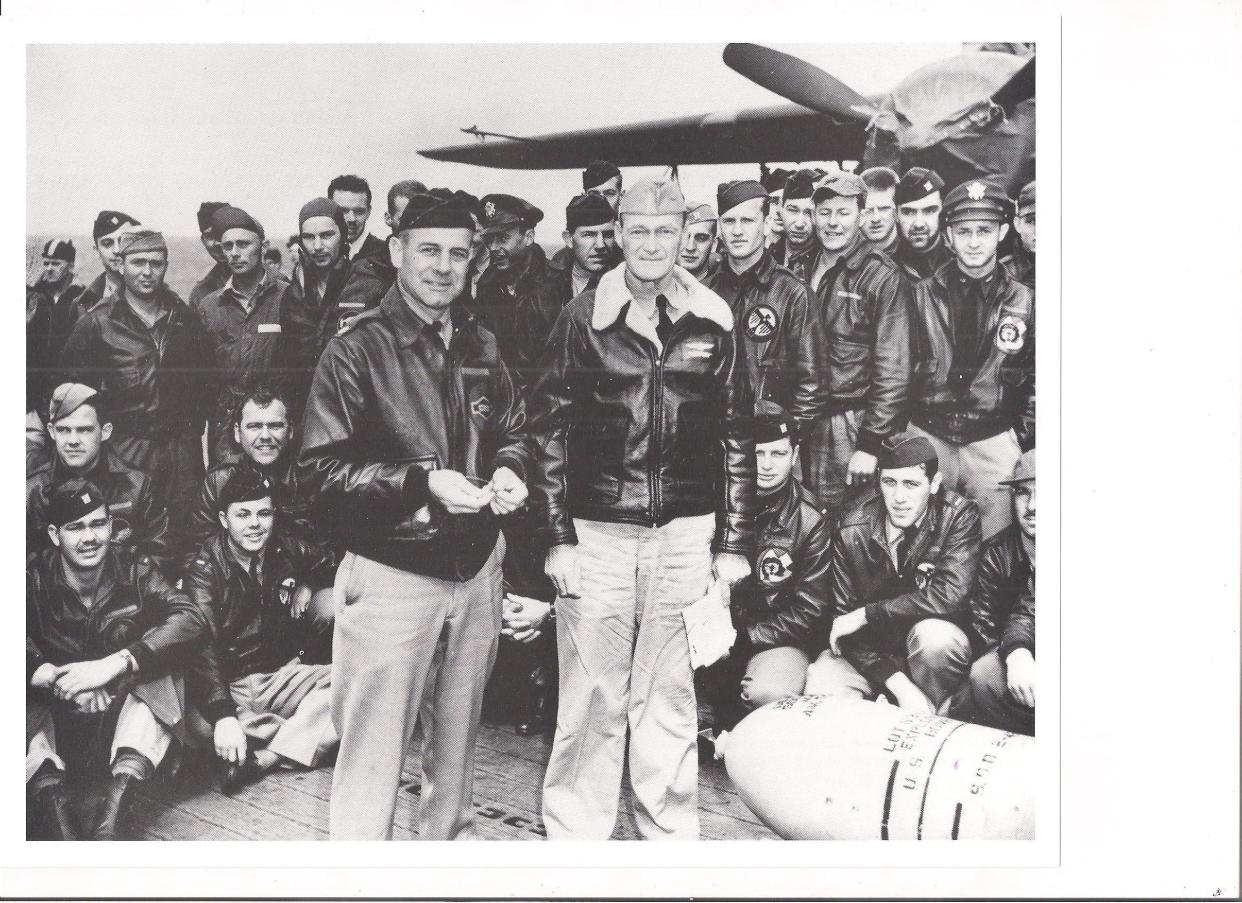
pixel 252 630
pixel 498 308
pixel 626 432
pixel 1001 393
pixel 1004 571
pixel 937 581
pixel 389 404
pixel 784 600
pixel 865 313
pixel 783 335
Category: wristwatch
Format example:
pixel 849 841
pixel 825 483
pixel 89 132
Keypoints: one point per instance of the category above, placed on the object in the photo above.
pixel 131 663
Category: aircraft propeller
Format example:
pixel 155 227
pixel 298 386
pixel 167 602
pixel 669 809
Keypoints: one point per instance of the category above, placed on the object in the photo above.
pixel 799 81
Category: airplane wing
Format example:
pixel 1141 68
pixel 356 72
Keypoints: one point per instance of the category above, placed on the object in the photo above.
pixel 784 133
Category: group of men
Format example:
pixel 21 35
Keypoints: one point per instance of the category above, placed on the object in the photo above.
pixel 814 399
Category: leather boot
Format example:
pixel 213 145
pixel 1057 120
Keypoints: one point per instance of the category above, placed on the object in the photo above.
pixel 52 806
pixel 532 711
pixel 111 807
pixel 235 777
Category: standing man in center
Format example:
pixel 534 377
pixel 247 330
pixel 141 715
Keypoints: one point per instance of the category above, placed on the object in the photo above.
pixel 414 439
pixel 645 490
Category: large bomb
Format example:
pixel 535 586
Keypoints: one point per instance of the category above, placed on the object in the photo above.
pixel 823 768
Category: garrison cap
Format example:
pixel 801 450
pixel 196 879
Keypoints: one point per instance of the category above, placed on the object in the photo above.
pixel 432 211
pixel 1023 470
pixel 775 179
pixel 839 185
pixel 598 172
pixel 470 202
pixel 977 199
pixel 800 185
pixel 73 500
pixel 503 211
pixel 60 249
pixel 109 221
pixel 1026 197
pixel 142 241
pixel 916 184
pixel 322 207
pixel 905 450
pixel 651 197
pixel 730 194
pixel 230 217
pixel 700 213
pixel 205 211
pixel 588 210
pixel 245 485
pixel 68 397
pixel 772 423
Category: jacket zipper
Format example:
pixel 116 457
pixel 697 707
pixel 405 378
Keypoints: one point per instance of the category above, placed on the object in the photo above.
pixel 657 434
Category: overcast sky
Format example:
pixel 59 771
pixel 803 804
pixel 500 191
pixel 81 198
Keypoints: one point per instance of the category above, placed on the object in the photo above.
pixel 154 130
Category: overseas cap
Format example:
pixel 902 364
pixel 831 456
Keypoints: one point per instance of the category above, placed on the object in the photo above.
pixel 840 185
pixel 245 485
pixel 771 423
pixel 977 199
pixel 587 210
pixel 205 211
pixel 430 211
pixel 60 249
pixel 67 398
pixel 775 180
pixel 143 241
pixel 73 500
pixel 700 213
pixel 905 450
pixel 229 217
pixel 730 194
pixel 917 184
pixel 503 211
pixel 650 197
pixel 322 207
pixel 1023 470
pixel 1026 197
pixel 109 221
pixel 598 172
pixel 800 185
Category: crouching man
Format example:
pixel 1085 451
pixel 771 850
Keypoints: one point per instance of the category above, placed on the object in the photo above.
pixel 264 705
pixel 103 634
pixel 903 566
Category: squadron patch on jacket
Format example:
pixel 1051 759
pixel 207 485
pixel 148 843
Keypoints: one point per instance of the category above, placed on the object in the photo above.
pixel 1010 334
pixel 923 574
pixel 481 407
pixel 286 591
pixel 775 566
pixel 761 323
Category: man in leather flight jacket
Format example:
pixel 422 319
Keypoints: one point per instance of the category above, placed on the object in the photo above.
pixel 640 478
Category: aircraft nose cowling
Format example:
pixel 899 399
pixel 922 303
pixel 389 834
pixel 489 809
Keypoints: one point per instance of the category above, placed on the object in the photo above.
pixel 822 768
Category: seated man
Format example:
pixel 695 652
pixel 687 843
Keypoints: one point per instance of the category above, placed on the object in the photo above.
pixel 249 682
pixel 103 635
pixel 1001 692
pixel 781 609
pixel 80 429
pixel 903 566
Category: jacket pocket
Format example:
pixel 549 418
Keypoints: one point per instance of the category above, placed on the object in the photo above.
pixel 696 447
pixel 596 450
pixel 849 366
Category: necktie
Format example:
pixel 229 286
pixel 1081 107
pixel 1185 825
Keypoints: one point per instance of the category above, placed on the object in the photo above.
pixel 664 328
pixel 903 550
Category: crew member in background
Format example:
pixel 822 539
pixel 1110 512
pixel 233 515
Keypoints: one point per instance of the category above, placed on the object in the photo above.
pixel 798 249
pixel 517 266
pixel 903 568
pixel 973 392
pixel 55 283
pixel 219 273
pixel 774 186
pixel 864 309
pixel 353 195
pixel 782 333
pixel 1021 260
pixel 111 227
pixel 1001 691
pixel 104 634
pixel 370 277
pixel 273 263
pixel 242 319
pixel 150 356
pixel 698 245
pixel 921 250
pixel 603 178
pixel 637 516
pixel 879 215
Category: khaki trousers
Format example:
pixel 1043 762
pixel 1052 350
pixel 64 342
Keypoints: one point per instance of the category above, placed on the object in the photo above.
pixel 985 699
pixel 136 729
pixel 288 711
pixel 975 471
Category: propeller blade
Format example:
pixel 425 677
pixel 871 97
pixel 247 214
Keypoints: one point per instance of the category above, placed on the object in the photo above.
pixel 799 81
pixel 1019 87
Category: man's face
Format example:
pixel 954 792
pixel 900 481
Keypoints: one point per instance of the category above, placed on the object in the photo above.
pixel 55 272
pixel 1024 507
pixel 741 228
pixel 357 209
pixel 1024 222
pixel 322 241
pixel 696 246
pixel 650 244
pixel 78 438
pixel 773 223
pixel 431 263
pixel 879 216
pixel 919 221
pixel 392 216
pixel 836 222
pixel 609 191
pixel 272 267
pixel 212 244
pixel 775 461
pixel 84 542
pixel 108 247
pixel 593 246
pixel 262 432
pixel 243 251
pixel 906 492
pixel 249 524
pixel 143 272
pixel 974 241
pixel 507 247
pixel 798 217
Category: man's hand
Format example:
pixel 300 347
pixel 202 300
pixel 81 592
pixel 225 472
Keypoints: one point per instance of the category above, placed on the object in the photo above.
pixel 908 695
pixel 861 468
pixel 562 567
pixel 47 674
pixel 230 740
pixel 82 676
pixel 92 701
pixel 456 493
pixel 510 491
pixel 1020 676
pixel 729 568
pixel 301 598
pixel 523 617
pixel 844 625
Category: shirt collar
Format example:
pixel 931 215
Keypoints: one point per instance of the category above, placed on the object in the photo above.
pixel 356 246
pixel 612 294
pixel 892 533
pixel 410 325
